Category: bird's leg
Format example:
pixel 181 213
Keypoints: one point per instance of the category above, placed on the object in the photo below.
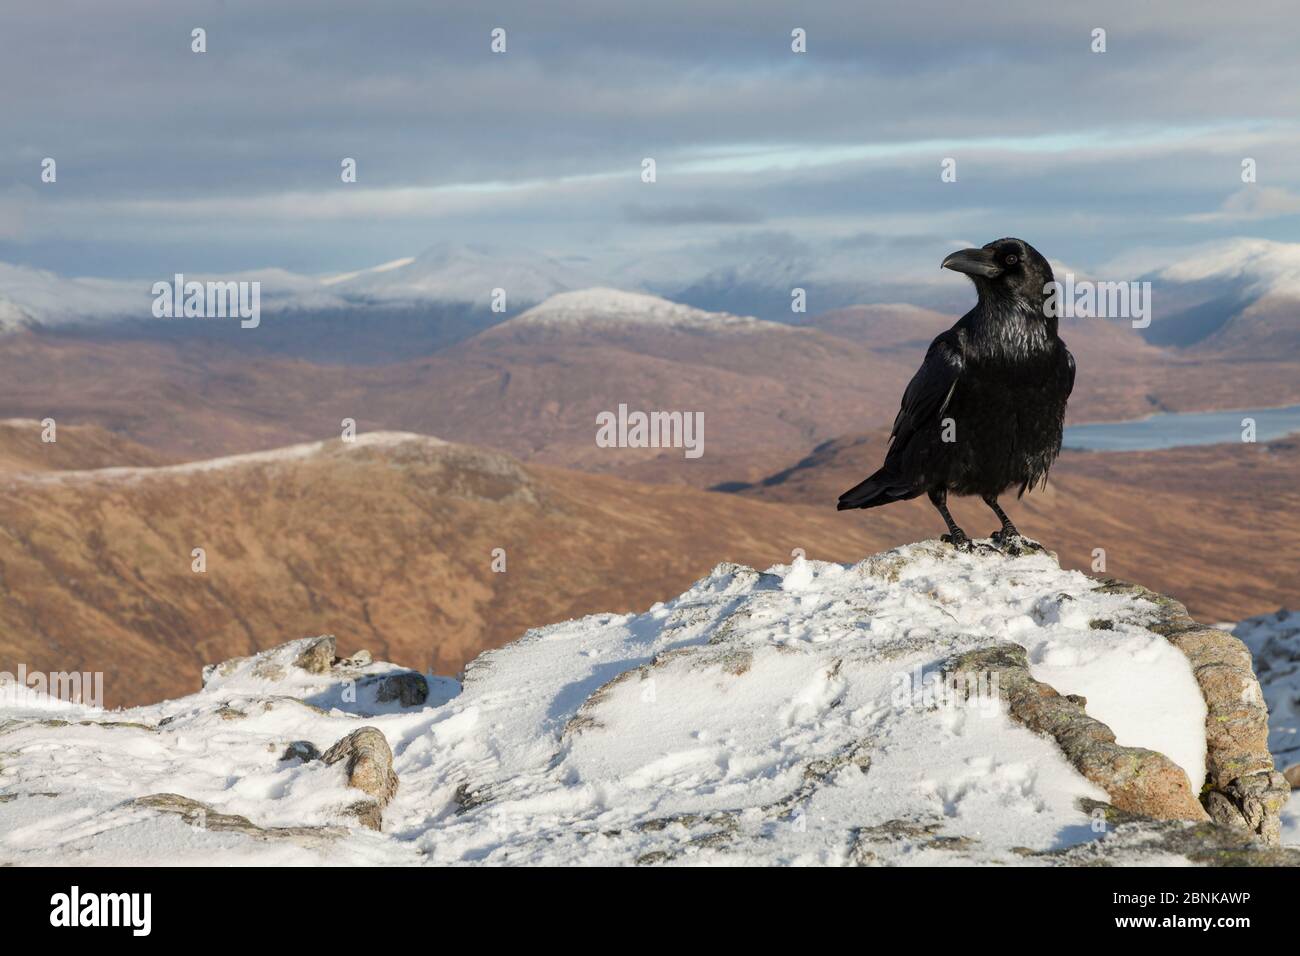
pixel 1008 530
pixel 955 536
pixel 1008 538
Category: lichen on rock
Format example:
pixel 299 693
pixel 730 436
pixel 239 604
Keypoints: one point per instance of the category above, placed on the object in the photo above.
pixel 1138 780
pixel 1241 787
pixel 369 768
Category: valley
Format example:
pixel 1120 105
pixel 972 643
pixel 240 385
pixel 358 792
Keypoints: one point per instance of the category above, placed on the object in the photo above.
pixel 165 446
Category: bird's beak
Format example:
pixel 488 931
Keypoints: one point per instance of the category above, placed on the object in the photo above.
pixel 973 262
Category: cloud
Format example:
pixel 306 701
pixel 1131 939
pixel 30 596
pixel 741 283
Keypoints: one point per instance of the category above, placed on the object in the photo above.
pixel 233 156
pixel 15 210
pixel 1254 202
pixel 689 214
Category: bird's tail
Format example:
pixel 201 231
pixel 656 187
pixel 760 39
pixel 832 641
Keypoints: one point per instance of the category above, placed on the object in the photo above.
pixel 880 489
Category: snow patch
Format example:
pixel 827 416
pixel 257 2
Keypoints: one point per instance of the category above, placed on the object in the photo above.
pixel 379 439
pixel 753 719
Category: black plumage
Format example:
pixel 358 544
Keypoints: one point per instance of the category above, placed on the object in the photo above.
pixel 984 412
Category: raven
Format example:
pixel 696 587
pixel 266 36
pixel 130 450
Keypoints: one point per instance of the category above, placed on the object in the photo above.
pixel 984 412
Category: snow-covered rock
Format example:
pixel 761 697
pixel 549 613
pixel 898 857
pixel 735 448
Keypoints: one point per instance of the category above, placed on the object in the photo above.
pixel 814 713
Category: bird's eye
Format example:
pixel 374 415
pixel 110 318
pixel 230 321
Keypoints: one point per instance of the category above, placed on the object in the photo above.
pixel 1012 259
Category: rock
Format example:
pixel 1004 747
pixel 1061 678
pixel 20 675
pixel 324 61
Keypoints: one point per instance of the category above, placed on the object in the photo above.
pixel 913 833
pixel 224 669
pixel 226 712
pixel 1253 802
pixel 369 769
pixel 410 688
pixel 1243 788
pixel 361 658
pixel 1135 841
pixel 825 733
pixel 368 813
pixel 203 817
pixel 1137 780
pixel 304 750
pixel 318 657
pixel 269 670
pixel 1292 775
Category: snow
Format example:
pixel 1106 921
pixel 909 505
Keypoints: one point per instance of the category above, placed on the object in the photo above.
pixel 373 270
pixel 1271 268
pixel 377 439
pixel 463 273
pixel 13 317
pixel 732 724
pixel 616 307
pixel 17 700
pixel 37 296
pixel 467 274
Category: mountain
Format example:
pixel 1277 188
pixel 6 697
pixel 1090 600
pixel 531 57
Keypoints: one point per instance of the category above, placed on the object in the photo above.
pixel 532 386
pixel 388 541
pixel 407 307
pixel 1237 297
pixel 75 448
pixel 1188 520
pixel 13 317
pixel 890 327
pixel 447 273
pixel 466 274
pixel 535 385
pixel 1234 301
pixel 1121 374
pixel 1268 326
pixel 918 707
pixel 613 310
pixel 1240 297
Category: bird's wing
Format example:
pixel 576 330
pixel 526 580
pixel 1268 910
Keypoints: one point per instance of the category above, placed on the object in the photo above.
pixel 928 394
pixel 1069 374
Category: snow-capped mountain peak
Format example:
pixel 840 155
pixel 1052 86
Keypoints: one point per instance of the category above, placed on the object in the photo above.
pixel 1268 267
pixel 604 306
pixel 13 317
pixel 453 272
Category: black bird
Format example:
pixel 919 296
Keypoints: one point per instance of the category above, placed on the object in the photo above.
pixel 984 413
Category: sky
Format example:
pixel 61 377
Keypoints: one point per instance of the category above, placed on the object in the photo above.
pixel 228 160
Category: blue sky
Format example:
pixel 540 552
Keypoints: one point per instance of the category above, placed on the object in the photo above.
pixel 170 160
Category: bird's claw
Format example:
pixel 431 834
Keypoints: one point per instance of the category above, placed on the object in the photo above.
pixel 959 541
pixel 1013 543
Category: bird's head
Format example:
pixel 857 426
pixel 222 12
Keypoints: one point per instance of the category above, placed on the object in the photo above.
pixel 1005 269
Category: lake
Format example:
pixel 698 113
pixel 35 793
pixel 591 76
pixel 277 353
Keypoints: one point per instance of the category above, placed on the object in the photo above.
pixel 1172 430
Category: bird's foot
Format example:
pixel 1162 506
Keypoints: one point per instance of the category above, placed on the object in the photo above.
pixel 1011 542
pixel 959 540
